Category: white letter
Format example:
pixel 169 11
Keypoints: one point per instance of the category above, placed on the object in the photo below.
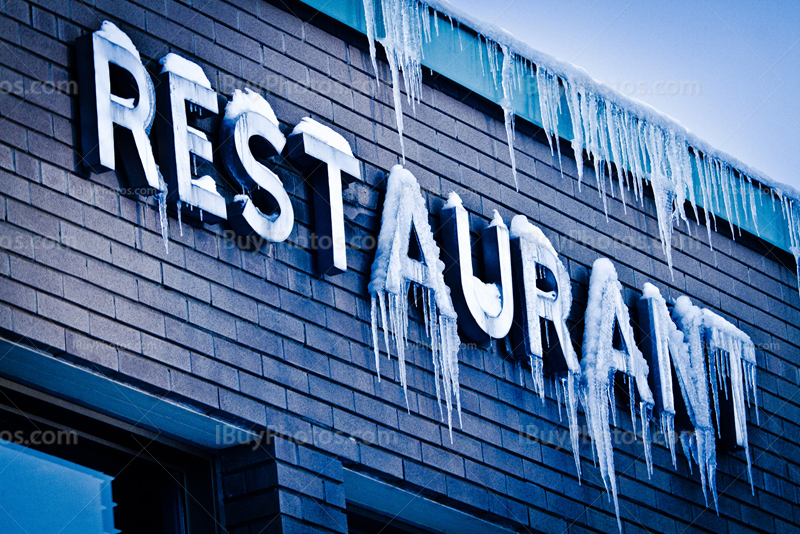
pixel 182 81
pixel 108 119
pixel 248 119
pixel 312 143
pixel 485 310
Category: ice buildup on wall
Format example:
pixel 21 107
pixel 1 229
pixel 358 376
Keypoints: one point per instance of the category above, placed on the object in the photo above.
pixel 681 345
pixel 731 361
pixel 534 259
pixel 605 311
pixel 394 273
pixel 641 142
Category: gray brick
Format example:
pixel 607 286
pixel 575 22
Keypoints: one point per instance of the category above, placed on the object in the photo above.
pixel 281 322
pixel 189 336
pixel 187 283
pixel 210 369
pixel 38 330
pixel 318 412
pixel 139 316
pixel 209 268
pixel 330 392
pixel 425 477
pixel 443 460
pixel 56 203
pixel 243 407
pixel 36 276
pixel 386 463
pixel 255 287
pixel 112 279
pixel 17 294
pixel 166 352
pixel 262 389
pixel 60 257
pixel 237 356
pixel 170 302
pixel 86 242
pixel 62 312
pixel 210 319
pixel 234 303
pixel 115 333
pixel 92 350
pixel 15 187
pixel 194 388
pixel 135 261
pixel 144 369
pixel 32 219
pixel 258 338
pixel 16 241
pixel 285 374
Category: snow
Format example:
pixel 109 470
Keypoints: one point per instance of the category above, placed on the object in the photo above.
pixel 453 200
pixel 601 361
pixel 497 220
pixel 707 332
pixel 489 297
pixel 109 31
pixel 206 182
pixel 538 254
pixel 642 142
pixel 394 273
pixel 246 101
pixel 685 348
pixel 323 133
pixel 184 68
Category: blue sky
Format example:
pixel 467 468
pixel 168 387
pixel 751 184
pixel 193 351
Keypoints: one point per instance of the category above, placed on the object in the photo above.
pixel 728 70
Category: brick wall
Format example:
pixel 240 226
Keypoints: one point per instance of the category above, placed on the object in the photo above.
pixel 260 338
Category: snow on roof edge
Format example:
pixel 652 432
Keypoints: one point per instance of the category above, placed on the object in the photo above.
pixel 573 73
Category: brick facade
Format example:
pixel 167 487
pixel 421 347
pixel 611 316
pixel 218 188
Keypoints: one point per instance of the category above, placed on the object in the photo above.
pixel 258 337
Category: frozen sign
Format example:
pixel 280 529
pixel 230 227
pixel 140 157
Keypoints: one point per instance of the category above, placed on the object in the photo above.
pixel 523 297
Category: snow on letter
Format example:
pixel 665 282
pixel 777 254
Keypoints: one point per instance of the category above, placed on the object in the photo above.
pixel 663 340
pixel 606 312
pixel 182 82
pixel 111 124
pixel 731 367
pixel 394 272
pixel 536 264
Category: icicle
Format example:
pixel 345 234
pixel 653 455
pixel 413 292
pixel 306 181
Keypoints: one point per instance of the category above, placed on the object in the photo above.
pixel 180 219
pixel 162 212
pixel 374 323
pixel 369 10
pixel 508 112
pixel 550 105
pixel 753 209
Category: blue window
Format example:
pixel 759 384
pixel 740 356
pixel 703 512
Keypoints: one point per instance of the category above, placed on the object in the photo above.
pixel 40 493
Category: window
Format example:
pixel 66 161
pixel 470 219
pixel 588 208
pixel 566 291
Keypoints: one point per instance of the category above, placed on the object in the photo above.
pixel 363 521
pixel 67 469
